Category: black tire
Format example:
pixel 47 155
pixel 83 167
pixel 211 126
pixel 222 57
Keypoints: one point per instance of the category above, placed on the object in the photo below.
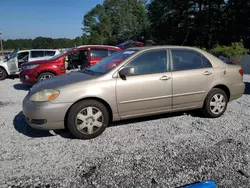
pixel 76 109
pixel 45 74
pixel 206 110
pixel 3 74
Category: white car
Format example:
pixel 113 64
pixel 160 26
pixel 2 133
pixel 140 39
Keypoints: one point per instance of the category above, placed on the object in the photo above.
pixel 11 64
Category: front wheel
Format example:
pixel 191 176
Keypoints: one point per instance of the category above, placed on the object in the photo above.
pixel 215 103
pixel 3 74
pixel 44 76
pixel 87 119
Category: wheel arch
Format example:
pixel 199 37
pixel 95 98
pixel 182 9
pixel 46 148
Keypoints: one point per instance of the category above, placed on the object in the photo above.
pixel 44 71
pixel 105 103
pixel 225 89
pixel 4 69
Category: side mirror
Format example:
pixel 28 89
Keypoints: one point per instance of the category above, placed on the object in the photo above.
pixel 126 71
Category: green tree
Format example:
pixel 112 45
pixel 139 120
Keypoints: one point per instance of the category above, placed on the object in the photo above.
pixel 115 21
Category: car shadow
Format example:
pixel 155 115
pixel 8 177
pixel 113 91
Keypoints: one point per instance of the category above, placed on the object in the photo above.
pixel 22 127
pixel 13 77
pixel 23 87
pixel 247 88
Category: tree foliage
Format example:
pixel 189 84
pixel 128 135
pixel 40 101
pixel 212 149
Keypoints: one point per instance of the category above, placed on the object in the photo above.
pixel 42 42
pixel 115 21
pixel 235 49
pixel 203 23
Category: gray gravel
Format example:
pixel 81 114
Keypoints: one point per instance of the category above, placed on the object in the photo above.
pixel 163 151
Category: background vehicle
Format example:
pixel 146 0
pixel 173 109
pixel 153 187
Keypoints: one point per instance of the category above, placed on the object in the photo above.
pixel 144 81
pixel 4 54
pixel 129 44
pixel 11 64
pixel 226 60
pixel 70 59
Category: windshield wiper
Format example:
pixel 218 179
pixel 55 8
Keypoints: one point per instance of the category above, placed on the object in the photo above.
pixel 90 71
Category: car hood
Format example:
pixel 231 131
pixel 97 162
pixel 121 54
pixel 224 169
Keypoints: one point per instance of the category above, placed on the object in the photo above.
pixel 61 80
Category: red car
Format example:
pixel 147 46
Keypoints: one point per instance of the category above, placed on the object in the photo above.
pixel 70 59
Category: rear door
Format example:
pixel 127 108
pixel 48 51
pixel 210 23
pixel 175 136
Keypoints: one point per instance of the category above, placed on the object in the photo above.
pixel 97 54
pixel 12 62
pixel 192 76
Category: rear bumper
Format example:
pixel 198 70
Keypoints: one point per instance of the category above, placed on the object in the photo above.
pixel 45 115
pixel 237 90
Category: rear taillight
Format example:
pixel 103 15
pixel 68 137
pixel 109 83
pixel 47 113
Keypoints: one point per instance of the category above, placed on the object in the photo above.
pixel 241 72
pixel 233 62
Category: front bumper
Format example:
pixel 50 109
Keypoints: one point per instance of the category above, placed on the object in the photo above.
pixel 28 76
pixel 45 115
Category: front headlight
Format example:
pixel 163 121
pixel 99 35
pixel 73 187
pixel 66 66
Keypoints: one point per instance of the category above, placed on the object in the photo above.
pixel 45 95
pixel 28 67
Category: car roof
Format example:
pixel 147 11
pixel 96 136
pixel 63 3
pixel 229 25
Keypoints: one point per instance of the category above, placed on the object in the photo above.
pixel 100 46
pixel 214 60
pixel 38 50
pixel 163 46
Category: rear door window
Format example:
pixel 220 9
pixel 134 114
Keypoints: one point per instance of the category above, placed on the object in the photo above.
pixel 188 60
pixel 112 51
pixel 36 54
pixel 98 53
pixel 50 53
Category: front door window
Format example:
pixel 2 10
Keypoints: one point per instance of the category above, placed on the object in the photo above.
pixel 150 63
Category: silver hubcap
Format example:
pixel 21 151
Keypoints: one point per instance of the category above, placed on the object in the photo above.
pixel 217 103
pixel 89 120
pixel 46 76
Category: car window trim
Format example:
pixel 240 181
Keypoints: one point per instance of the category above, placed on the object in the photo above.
pixel 172 62
pixel 143 52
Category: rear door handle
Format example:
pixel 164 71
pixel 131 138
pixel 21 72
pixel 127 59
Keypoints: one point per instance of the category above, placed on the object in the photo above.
pixel 165 78
pixel 207 73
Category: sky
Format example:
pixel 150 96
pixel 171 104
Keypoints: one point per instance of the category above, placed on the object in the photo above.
pixel 46 18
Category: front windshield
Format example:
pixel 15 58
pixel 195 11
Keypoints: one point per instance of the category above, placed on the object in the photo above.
pixel 13 54
pixel 60 54
pixel 110 62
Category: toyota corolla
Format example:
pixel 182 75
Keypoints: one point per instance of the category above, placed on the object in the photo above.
pixel 136 82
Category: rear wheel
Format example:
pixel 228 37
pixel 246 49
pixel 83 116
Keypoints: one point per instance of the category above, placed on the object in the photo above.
pixel 44 76
pixel 3 74
pixel 215 103
pixel 87 119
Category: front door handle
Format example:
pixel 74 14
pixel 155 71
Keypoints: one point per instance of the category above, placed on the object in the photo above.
pixel 165 78
pixel 207 73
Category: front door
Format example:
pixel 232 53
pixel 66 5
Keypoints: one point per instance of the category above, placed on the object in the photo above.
pixel 192 77
pixel 149 90
pixel 12 62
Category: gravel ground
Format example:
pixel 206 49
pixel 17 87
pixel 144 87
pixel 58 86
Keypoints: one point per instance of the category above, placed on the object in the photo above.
pixel 160 151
